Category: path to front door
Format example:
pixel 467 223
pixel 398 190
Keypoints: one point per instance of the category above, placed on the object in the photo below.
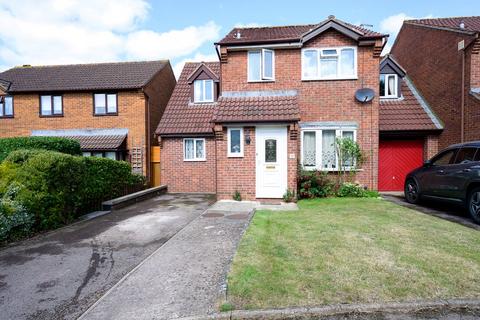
pixel 184 277
pixel 271 162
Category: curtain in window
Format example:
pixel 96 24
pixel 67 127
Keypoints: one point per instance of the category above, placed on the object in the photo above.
pixel 57 104
pixel 347 160
pixel 391 85
pixel 328 67
pixel 189 149
pixel 100 107
pixel 112 103
pixel 309 149
pixel 235 141
pixel 8 106
pixel 329 158
pixel 46 102
pixel 198 90
pixel 200 149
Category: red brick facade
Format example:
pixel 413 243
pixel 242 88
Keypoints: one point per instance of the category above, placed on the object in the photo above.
pixel 323 100
pixel 78 113
pixel 434 63
pixel 187 176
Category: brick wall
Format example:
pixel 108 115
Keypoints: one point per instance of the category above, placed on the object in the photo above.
pixel 472 104
pixel 434 64
pixel 321 100
pixel 78 114
pixel 430 147
pixel 187 176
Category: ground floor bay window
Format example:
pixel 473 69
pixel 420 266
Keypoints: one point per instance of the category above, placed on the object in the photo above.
pixel 318 147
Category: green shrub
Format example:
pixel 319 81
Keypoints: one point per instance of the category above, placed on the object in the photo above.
pixel 237 196
pixel 63 145
pixel 15 221
pixel 289 196
pixel 349 189
pixel 314 184
pixel 56 188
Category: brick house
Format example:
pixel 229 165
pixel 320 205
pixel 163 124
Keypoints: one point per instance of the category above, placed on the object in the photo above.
pixel 277 100
pixel 112 109
pixel 442 57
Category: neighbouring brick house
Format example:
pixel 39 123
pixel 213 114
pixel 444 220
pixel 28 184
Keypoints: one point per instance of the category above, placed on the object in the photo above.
pixel 112 109
pixel 277 100
pixel 442 58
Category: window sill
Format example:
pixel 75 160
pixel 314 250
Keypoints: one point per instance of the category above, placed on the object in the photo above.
pixel 390 98
pixel 105 114
pixel 235 156
pixel 51 116
pixel 330 79
pixel 194 160
pixel 6 117
pixel 332 170
pixel 260 81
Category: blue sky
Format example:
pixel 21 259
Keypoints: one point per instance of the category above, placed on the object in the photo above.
pixel 82 31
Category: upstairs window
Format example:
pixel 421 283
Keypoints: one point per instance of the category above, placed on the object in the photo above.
pixel 203 91
pixel 105 103
pixel 6 107
pixel 261 65
pixel 51 105
pixel 388 86
pixel 329 63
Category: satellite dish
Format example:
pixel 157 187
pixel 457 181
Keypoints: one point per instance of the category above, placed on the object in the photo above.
pixel 364 95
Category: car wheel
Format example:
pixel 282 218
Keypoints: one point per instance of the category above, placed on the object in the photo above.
pixel 474 204
pixel 411 191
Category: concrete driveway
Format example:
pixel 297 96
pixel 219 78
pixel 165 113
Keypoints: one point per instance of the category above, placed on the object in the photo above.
pixel 60 274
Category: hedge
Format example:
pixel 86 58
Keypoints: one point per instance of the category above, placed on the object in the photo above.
pixel 56 188
pixel 63 145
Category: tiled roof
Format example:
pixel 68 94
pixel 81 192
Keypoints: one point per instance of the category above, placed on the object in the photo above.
pixel 101 142
pixel 78 77
pixel 285 33
pixel 409 113
pixel 183 117
pixel 472 24
pixel 260 108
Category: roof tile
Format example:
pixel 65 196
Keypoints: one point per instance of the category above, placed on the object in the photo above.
pixel 81 77
pixel 472 24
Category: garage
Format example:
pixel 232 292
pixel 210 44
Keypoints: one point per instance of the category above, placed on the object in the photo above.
pixel 396 159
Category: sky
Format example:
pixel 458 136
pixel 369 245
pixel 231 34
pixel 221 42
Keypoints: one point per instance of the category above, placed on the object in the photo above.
pixel 87 31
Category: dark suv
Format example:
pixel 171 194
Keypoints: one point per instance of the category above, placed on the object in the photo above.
pixel 452 175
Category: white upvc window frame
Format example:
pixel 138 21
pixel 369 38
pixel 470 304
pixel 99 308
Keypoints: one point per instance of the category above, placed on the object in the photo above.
pixel 204 91
pixel 235 154
pixel 263 77
pixel 194 159
pixel 385 88
pixel 319 148
pixel 338 55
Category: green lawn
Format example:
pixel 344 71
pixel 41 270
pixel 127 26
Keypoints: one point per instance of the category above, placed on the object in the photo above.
pixel 352 250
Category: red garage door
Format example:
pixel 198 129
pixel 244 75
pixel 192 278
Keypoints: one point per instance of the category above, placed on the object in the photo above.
pixel 395 160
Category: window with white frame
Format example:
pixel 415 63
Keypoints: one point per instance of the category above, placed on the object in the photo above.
pixel 319 148
pixel 6 107
pixel 388 86
pixel 261 65
pixel 194 149
pixel 203 91
pixel 235 142
pixel 329 63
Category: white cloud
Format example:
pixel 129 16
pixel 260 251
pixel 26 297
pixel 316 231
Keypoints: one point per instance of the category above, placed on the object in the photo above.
pixel 249 25
pixel 392 25
pixel 147 44
pixel 78 31
pixel 198 57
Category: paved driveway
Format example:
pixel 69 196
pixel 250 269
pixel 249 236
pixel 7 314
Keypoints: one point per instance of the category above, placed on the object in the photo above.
pixel 59 275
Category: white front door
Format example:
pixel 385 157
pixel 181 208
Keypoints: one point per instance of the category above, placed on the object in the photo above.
pixel 271 168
